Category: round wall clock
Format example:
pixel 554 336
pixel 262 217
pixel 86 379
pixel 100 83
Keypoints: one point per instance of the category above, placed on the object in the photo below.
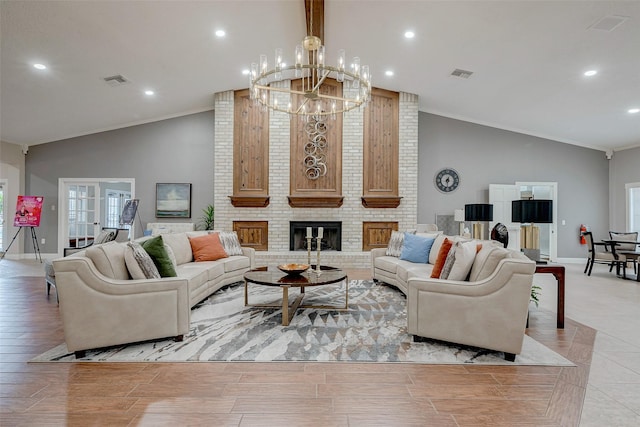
pixel 447 180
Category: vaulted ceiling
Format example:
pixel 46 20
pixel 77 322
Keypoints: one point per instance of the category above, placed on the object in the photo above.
pixel 527 59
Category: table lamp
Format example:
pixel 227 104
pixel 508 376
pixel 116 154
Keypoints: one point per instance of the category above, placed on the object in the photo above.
pixel 532 212
pixel 481 212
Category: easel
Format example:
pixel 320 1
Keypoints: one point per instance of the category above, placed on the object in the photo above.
pixel 34 240
pixel 126 218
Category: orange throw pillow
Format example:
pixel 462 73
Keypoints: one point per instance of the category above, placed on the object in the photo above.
pixel 207 248
pixel 442 257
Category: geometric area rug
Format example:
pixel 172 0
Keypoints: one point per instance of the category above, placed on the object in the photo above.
pixel 374 329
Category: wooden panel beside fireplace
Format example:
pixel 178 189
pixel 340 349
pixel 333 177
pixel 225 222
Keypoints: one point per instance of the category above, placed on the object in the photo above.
pixel 253 234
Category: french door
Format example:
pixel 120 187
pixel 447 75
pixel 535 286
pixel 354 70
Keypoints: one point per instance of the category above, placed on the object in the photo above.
pixel 85 207
pixel 83 213
pixel 502 195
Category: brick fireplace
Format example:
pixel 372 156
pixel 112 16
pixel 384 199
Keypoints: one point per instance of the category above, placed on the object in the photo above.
pixel 351 215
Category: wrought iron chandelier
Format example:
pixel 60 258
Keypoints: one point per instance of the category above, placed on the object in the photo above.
pixel 310 67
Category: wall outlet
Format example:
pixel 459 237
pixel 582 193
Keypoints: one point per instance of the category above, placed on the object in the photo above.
pixel 43 240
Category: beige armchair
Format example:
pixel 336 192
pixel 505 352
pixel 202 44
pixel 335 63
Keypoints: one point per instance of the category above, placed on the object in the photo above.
pixel 490 313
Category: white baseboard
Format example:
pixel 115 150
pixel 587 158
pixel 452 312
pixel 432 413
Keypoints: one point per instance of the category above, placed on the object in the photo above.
pixel 572 260
pixel 28 256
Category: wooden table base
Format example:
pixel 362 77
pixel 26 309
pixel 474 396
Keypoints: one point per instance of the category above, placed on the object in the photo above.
pixel 558 273
pixel 288 311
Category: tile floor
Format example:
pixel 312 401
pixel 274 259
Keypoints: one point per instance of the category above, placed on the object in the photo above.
pixel 612 307
pixel 604 302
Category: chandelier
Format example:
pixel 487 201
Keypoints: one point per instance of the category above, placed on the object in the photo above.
pixel 311 69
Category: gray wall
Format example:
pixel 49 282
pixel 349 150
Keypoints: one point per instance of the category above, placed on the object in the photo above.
pixel 625 168
pixel 181 150
pixel 12 166
pixel 484 155
pixel 174 150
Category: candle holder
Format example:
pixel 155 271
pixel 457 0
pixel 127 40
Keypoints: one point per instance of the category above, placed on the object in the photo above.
pixel 309 250
pixel 319 245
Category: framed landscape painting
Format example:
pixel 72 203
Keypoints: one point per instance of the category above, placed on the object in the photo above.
pixel 173 200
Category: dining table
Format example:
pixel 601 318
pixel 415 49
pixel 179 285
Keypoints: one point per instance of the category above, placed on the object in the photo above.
pixel 634 254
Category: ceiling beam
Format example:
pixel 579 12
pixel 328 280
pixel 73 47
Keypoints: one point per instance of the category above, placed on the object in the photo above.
pixel 318 17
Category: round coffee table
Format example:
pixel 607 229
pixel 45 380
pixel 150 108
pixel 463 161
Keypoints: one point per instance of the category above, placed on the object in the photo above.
pixel 271 276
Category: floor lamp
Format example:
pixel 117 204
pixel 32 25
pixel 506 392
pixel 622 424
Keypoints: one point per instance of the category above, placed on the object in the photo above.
pixel 532 212
pixel 478 212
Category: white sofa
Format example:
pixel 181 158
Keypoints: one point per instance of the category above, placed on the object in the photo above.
pixel 101 306
pixel 488 311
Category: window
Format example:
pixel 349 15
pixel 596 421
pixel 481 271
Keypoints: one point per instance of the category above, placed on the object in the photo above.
pixel 633 206
pixel 1 216
pixel 114 203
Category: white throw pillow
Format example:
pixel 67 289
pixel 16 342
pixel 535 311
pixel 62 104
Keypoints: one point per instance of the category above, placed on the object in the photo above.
pixel 172 256
pixel 179 243
pixel 465 255
pixel 435 248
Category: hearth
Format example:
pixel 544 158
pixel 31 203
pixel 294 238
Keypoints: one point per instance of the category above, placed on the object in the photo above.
pixel 331 240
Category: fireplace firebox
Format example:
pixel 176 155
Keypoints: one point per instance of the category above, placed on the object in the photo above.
pixel 331 240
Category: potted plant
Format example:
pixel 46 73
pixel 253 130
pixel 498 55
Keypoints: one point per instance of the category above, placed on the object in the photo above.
pixel 206 220
pixel 535 294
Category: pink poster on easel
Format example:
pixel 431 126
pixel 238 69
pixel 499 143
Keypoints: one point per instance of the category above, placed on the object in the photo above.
pixel 28 211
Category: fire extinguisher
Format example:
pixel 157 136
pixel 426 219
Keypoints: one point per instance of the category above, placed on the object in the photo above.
pixel 583 229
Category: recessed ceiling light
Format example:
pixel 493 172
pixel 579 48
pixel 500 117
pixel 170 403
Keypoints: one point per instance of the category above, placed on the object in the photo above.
pixel 149 92
pixel 245 72
pixel 388 73
pixel 590 73
pixel 409 34
pixel 221 33
pixel 40 66
pixel 634 110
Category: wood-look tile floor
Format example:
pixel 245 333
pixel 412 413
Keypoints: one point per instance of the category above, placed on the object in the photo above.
pixel 275 394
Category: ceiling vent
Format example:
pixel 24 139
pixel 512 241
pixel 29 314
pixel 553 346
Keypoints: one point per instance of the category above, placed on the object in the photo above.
pixel 608 23
pixel 463 74
pixel 117 80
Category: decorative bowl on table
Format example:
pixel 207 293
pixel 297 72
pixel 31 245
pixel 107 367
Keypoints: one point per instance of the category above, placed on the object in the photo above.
pixel 293 269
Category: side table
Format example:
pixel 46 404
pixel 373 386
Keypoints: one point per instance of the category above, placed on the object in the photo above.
pixel 558 273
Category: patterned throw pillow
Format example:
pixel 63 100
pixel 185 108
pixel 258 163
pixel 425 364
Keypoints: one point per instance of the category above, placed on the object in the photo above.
pixel 104 237
pixel 230 242
pixel 449 261
pixel 394 248
pixel 139 263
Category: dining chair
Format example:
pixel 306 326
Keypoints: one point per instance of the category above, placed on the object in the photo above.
pixel 599 254
pixel 630 247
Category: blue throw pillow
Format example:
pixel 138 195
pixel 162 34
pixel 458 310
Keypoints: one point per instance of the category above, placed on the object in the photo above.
pixel 416 248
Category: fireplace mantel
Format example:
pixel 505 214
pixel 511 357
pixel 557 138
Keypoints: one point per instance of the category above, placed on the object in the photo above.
pixel 315 201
